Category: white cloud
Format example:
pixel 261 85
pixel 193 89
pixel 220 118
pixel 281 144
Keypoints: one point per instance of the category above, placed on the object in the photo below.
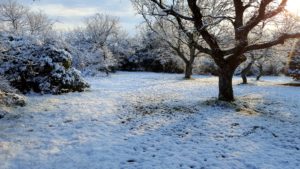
pixel 66 26
pixel 62 11
pixel 70 13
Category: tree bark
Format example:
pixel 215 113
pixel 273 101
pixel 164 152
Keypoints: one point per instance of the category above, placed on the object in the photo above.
pixel 258 77
pixel 189 64
pixel 188 70
pixel 245 80
pixel 245 72
pixel 260 73
pixel 225 85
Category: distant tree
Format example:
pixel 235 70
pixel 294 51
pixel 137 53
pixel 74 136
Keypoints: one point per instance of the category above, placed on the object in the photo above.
pixel 13 14
pixel 170 32
pixel 256 58
pixel 91 45
pixel 238 21
pixel 246 71
pixel 260 62
pixel 100 28
pixel 38 23
pixel 294 62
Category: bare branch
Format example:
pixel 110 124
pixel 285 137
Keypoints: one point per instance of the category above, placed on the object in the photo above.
pixel 279 40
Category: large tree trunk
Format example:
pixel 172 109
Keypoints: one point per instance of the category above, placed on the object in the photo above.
pixel 226 71
pixel 225 85
pixel 188 70
pixel 189 64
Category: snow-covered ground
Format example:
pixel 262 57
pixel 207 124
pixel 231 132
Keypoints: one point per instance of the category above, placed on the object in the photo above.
pixel 149 120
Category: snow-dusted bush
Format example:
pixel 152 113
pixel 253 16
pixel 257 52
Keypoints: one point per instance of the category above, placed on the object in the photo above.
pixel 122 46
pixel 91 45
pixel 120 52
pixel 152 54
pixel 30 65
pixel 294 63
pixel 87 56
pixel 11 99
pixel 153 60
pixel 9 95
pixel 205 65
pixel 5 86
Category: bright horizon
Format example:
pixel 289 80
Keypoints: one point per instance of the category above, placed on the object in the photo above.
pixel 294 7
pixel 69 14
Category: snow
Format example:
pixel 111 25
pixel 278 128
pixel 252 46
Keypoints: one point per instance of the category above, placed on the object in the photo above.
pixel 43 68
pixel 152 120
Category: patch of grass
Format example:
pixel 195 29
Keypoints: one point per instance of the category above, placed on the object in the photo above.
pixel 240 105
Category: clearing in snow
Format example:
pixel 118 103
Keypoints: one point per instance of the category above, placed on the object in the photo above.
pixel 152 120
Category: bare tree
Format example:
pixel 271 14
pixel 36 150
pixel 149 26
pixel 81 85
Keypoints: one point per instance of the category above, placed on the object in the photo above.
pixel 256 58
pixel 13 15
pixel 240 18
pixel 183 46
pixel 38 23
pixel 169 31
pixel 246 71
pixel 101 27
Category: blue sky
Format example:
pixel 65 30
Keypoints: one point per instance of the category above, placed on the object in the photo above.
pixel 70 13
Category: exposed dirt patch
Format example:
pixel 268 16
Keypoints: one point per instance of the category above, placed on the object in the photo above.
pixel 291 84
pixel 163 108
pixel 251 105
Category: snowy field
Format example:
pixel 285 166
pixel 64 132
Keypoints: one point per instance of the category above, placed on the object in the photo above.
pixel 149 120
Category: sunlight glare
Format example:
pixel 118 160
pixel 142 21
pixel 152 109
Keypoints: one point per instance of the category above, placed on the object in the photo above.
pixel 293 6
